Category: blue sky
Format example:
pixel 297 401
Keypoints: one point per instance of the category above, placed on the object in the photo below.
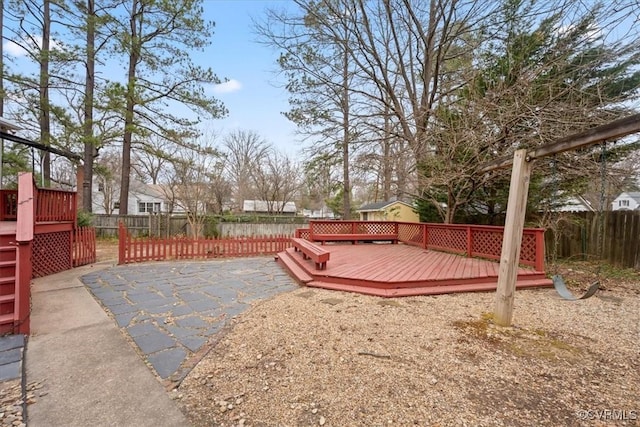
pixel 254 101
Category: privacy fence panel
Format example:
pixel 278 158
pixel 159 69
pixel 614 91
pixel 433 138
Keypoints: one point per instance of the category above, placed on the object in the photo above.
pixel 167 226
pixel 580 236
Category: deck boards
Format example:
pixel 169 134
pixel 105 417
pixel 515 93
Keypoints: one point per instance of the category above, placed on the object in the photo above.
pixel 402 270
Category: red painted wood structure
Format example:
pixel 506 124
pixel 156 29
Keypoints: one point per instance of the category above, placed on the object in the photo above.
pixel 38 237
pixel 431 259
pixel 143 249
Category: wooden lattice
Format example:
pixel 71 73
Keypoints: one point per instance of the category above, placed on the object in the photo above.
pixel 411 233
pixel 446 237
pixel 303 233
pixel 333 227
pixel 528 248
pixel 51 253
pixel 487 243
pixel 353 227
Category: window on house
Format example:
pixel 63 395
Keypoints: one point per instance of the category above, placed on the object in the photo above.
pixel 101 187
pixel 623 203
pixel 148 207
pixel 116 205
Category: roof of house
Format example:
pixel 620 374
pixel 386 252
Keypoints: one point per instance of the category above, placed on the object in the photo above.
pixel 152 190
pixel 635 195
pixel 263 206
pixel 378 206
pixel 576 204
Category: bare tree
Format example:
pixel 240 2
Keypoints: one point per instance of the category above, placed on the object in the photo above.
pixel 107 171
pixel 154 156
pixel 244 151
pixel 187 185
pixel 276 180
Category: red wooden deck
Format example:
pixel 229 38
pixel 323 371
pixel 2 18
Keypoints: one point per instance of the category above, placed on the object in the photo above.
pixel 401 270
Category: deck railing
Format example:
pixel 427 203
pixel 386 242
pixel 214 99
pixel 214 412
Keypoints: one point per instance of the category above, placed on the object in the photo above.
pixel 471 240
pixel 8 205
pixel 55 205
pixel 142 249
pixel 51 205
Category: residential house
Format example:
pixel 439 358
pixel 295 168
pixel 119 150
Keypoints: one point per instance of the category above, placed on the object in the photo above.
pixel 575 204
pixel 323 213
pixel 143 199
pixel 263 207
pixel 626 201
pixel 391 210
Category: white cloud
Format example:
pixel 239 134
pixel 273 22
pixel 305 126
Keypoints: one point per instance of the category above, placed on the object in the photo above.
pixel 227 87
pixel 593 34
pixel 14 49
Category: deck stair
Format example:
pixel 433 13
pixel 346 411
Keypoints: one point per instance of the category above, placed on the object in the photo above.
pixel 7 282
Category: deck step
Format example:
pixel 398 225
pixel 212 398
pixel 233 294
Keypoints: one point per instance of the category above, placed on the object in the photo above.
pixel 7 280
pixel 7 248
pixel 6 318
pixel 287 260
pixel 7 298
pixel 11 263
pixel 422 290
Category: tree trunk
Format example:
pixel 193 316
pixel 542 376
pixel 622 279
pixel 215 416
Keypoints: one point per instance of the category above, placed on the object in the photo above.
pixel 386 156
pixel 346 203
pixel 134 56
pixel 44 114
pixel 89 146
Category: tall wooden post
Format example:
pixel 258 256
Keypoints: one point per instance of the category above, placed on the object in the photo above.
pixel 512 239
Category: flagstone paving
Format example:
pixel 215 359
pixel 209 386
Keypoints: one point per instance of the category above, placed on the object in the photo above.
pixel 172 309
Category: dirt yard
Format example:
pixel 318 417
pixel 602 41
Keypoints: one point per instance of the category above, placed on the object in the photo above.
pixel 107 250
pixel 316 357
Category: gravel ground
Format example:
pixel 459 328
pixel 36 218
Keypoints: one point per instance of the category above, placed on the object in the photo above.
pixel 317 357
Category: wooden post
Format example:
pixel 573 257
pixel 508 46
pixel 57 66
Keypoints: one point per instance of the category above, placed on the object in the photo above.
pixel 24 237
pixel 122 242
pixel 512 238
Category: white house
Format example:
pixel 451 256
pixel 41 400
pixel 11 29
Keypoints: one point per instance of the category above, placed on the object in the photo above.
pixel 265 207
pixel 143 199
pixel 626 201
pixel 575 204
pixel 322 213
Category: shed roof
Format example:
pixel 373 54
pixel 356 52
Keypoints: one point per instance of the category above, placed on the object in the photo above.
pixel 378 206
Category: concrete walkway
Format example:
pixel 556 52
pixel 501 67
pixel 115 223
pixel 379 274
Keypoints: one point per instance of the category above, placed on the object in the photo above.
pixel 90 374
pixel 91 365
pixel 171 309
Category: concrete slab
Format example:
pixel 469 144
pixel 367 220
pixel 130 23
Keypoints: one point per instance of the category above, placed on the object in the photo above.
pixel 181 304
pixel 91 374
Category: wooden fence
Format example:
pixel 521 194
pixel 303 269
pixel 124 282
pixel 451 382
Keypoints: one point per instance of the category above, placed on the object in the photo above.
pixel 579 238
pixel 132 249
pixel 84 246
pixel 166 226
pixel 471 240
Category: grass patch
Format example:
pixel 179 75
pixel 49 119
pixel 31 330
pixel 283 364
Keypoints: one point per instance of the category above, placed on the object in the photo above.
pixel 536 343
